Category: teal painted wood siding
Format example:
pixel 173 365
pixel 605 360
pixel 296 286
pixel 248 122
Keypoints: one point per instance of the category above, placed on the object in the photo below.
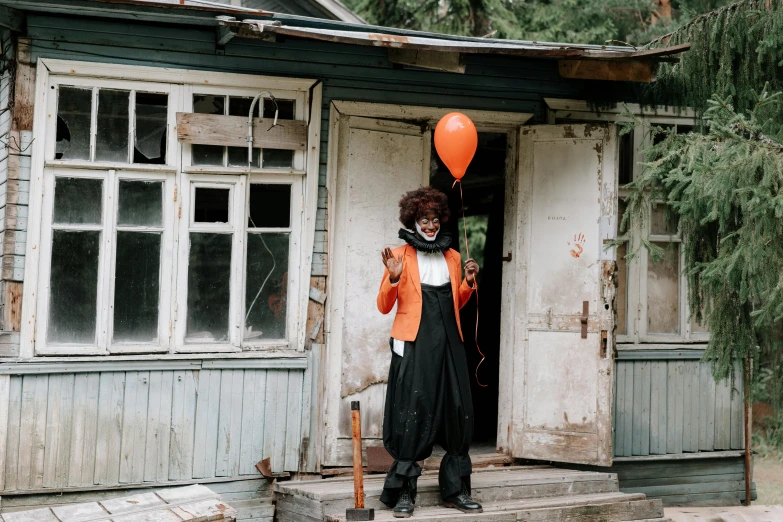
pixel 674 406
pixel 111 428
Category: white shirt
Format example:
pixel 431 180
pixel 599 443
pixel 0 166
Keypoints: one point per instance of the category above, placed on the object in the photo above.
pixel 433 270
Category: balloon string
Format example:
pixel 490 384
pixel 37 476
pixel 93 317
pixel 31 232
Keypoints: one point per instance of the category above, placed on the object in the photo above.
pixel 475 282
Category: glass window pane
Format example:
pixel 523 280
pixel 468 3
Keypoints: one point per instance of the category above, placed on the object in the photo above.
pixel 209 275
pixel 270 206
pixel 696 327
pixel 622 290
pixel 151 117
pixel 237 157
pixel 141 203
pixel 627 158
pixel 74 112
pixel 73 287
pixel 266 290
pixel 211 205
pixel 278 159
pixel 111 141
pixel 208 154
pixel 137 287
pixel 285 109
pixel 660 223
pixel 78 200
pixel 663 291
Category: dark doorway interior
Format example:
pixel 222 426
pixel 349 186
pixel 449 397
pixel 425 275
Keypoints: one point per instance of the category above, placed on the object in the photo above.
pixel 483 188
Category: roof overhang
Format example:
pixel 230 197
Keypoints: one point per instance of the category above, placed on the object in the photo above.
pixel 445 53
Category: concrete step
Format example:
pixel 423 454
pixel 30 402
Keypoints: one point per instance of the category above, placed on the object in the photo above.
pixel 613 507
pixel 317 499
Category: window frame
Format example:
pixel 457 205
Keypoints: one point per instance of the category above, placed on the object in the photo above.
pixel 303 181
pixel 636 336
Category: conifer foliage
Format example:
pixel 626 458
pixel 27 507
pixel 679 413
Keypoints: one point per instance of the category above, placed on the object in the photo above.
pixel 725 184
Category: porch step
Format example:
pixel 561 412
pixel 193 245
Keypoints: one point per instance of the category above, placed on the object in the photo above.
pixel 504 492
pixel 582 508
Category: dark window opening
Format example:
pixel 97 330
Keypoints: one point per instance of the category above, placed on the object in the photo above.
pixel 270 206
pixel 211 205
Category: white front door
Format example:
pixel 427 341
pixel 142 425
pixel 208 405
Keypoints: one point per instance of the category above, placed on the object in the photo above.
pixel 377 161
pixel 566 208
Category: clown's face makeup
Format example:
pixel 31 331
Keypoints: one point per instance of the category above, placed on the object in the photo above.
pixel 428 226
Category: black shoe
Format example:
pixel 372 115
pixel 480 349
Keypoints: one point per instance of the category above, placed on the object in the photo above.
pixel 404 507
pixel 463 502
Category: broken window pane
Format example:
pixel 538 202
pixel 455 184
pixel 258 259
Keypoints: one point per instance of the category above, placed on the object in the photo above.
pixel 211 205
pixel 278 158
pixel 270 206
pixel 663 291
pixel 151 117
pixel 140 203
pixel 78 200
pixel 73 287
pixel 266 287
pixel 111 140
pixel 209 275
pixel 662 224
pixel 74 110
pixel 208 154
pixel 137 287
pixel 237 156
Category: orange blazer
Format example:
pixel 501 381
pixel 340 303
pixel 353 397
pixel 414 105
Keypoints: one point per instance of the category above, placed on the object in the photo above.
pixel 407 292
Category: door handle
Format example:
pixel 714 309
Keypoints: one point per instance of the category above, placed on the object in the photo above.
pixel 583 319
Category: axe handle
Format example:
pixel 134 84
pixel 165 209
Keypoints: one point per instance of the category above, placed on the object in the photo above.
pixel 358 472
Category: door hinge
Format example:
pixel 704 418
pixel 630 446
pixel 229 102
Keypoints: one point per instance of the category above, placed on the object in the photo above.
pixel 583 319
pixel 507 258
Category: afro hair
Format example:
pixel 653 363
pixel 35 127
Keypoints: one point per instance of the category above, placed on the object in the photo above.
pixel 419 202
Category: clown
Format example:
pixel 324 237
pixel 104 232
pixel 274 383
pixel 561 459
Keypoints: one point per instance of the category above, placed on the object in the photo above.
pixel 428 394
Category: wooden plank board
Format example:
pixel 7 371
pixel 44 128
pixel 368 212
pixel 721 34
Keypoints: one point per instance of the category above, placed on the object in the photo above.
pixel 658 404
pixel 183 418
pixel 696 409
pixel 134 427
pixel 110 420
pixel 229 423
pixel 14 433
pixel 628 410
pixel 5 398
pixel 85 429
pixel 644 427
pixel 207 408
pixel 738 410
pixel 158 436
pixel 674 407
pixel 231 131
pixel 723 415
pixel 271 406
pixel 707 408
pixel 252 431
pixel 689 415
pixel 293 420
pixel 619 406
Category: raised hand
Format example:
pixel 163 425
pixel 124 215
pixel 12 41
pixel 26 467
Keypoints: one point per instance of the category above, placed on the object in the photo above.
pixel 393 264
pixel 471 270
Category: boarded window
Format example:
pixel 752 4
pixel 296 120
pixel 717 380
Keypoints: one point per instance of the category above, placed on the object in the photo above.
pixel 215 155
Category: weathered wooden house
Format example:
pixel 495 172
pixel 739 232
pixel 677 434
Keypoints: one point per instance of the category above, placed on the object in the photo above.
pixel 175 310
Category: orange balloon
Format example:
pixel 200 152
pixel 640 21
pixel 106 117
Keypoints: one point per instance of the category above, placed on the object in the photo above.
pixel 456 140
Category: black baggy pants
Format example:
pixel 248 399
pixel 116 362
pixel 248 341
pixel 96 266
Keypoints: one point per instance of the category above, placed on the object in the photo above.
pixel 428 401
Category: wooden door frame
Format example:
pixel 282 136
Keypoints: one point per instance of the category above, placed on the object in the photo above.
pixel 485 121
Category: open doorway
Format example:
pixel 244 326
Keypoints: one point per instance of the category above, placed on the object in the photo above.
pixel 483 189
